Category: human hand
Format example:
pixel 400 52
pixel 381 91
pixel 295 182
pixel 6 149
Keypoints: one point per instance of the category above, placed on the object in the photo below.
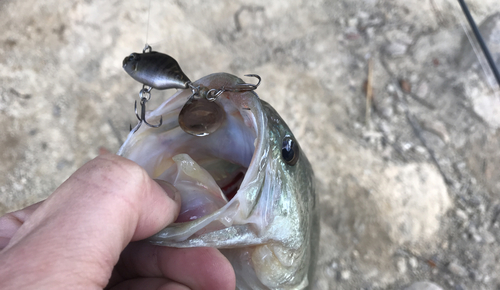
pixel 79 237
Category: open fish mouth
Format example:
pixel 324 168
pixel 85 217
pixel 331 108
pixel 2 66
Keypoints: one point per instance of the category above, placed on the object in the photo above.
pixel 208 171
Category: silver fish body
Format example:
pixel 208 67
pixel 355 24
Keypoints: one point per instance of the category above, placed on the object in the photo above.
pixel 269 229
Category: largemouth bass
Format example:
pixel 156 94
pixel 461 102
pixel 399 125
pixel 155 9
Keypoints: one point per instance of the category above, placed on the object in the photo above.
pixel 246 188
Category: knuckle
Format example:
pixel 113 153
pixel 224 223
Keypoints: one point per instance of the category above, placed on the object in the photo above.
pixel 115 174
pixel 119 168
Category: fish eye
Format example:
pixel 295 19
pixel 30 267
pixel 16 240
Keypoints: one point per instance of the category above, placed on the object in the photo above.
pixel 290 151
pixel 134 57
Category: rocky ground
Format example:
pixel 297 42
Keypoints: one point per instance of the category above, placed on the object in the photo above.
pixel 409 190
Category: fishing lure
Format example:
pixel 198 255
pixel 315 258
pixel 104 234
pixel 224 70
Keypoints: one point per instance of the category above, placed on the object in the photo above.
pixel 201 115
pixel 154 70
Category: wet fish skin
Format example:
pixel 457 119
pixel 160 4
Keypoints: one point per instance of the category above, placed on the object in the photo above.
pixel 284 258
pixel 270 230
pixel 157 70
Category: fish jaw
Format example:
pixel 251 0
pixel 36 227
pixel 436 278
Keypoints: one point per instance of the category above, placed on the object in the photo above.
pixel 268 230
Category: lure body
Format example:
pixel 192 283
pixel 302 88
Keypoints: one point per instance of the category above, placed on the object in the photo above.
pixel 157 70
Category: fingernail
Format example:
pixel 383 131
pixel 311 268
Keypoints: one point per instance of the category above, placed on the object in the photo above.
pixel 171 191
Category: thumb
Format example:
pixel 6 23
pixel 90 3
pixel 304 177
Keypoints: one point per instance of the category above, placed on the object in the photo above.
pixel 155 217
pixel 87 222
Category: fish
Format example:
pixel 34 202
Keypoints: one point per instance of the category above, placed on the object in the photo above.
pixel 155 69
pixel 247 188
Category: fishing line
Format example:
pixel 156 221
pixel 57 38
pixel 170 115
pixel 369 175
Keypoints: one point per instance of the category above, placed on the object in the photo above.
pixel 147 26
pixel 480 40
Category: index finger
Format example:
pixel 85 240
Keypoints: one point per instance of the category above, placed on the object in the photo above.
pixel 197 268
pixel 11 222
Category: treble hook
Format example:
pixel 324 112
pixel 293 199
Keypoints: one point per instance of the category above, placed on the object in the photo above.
pixel 145 94
pixel 213 94
pixel 249 87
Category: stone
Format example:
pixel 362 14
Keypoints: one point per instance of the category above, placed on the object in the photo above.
pixel 461 214
pixel 485 102
pixel 488 237
pixel 423 286
pixel 412 199
pixel 345 275
pixel 422 90
pixel 413 262
pixel 401 265
pixel 456 269
pixel 396 49
pixel 352 22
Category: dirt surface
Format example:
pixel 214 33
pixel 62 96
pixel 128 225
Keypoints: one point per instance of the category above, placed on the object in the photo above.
pixel 409 194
